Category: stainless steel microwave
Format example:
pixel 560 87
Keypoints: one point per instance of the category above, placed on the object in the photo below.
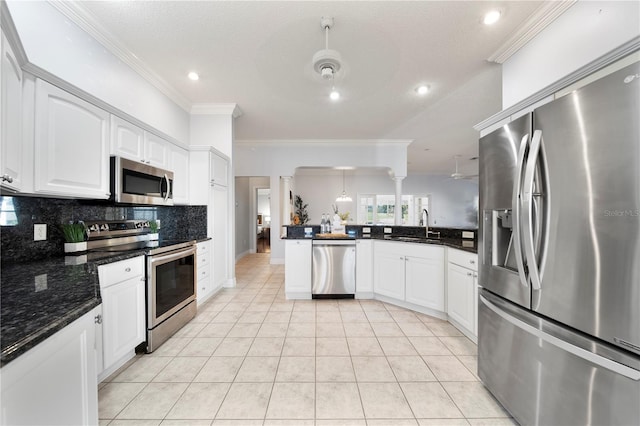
pixel 133 182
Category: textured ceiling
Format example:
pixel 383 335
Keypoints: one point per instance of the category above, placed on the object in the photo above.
pixel 258 54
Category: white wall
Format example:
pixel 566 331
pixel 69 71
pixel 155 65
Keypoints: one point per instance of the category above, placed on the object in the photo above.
pixel 276 159
pixel 453 202
pixel 214 130
pixel 586 31
pixel 243 215
pixel 61 48
pixel 264 202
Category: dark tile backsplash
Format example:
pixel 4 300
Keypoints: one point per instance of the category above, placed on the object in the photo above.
pixel 17 245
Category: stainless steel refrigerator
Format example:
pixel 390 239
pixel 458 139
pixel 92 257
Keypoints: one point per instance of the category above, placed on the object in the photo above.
pixel 559 309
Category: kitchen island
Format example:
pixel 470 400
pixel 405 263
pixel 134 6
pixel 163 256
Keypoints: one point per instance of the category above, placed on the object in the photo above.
pixel 434 276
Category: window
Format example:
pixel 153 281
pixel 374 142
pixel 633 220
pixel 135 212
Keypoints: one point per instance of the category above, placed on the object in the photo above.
pixel 379 209
pixel 7 212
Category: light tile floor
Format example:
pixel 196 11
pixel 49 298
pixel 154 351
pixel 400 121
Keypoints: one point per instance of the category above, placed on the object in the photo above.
pixel 251 357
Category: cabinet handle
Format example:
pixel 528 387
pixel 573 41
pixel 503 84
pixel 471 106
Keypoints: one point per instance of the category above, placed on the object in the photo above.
pixel 143 279
pixel 472 262
pixel 7 178
pixel 401 258
pixel 97 319
pixel 469 274
pixel 128 270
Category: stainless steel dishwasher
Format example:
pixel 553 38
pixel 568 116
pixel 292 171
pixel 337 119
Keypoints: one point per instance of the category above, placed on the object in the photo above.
pixel 334 269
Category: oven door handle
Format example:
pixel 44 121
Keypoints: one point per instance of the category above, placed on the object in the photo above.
pixel 169 257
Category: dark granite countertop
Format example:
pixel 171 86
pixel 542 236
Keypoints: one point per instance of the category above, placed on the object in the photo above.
pixel 41 297
pixel 470 246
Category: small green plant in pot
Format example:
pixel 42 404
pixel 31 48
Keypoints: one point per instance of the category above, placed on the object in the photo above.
pixel 74 236
pixel 153 229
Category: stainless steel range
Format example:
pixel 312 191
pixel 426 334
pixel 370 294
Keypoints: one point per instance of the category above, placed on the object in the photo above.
pixel 171 272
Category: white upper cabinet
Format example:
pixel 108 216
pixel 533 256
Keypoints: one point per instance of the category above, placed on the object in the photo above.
pixel 156 150
pixel 127 140
pixel 130 141
pixel 219 170
pixel 11 127
pixel 71 145
pixel 179 165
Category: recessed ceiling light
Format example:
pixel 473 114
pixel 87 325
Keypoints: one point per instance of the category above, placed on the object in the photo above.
pixel 334 95
pixel 193 76
pixel 422 90
pixel 491 17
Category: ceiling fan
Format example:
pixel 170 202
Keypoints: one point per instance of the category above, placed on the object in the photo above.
pixel 457 175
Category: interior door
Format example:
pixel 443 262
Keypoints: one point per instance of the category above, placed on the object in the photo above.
pixel 591 279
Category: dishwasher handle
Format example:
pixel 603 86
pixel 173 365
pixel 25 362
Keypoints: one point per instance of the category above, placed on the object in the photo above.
pixel 321 243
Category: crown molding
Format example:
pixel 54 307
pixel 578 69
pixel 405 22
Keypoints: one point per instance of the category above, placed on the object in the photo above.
pixel 254 143
pixel 87 22
pixel 228 109
pixel 538 21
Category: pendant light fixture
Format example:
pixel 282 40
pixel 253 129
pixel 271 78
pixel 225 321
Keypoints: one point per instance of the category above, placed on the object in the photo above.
pixel 343 197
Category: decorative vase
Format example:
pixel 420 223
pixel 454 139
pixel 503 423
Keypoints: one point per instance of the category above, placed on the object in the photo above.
pixel 75 247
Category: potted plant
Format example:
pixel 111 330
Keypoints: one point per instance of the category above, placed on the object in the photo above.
pixel 301 211
pixel 153 228
pixel 74 236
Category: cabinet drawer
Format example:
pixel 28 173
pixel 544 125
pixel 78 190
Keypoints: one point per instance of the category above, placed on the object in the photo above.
pixel 463 258
pixel 203 272
pixel 203 260
pixel 203 248
pixel 114 273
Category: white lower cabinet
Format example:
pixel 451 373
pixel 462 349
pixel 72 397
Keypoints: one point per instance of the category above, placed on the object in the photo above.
pixel 424 278
pixel 462 292
pixel 55 382
pixel 364 269
pixel 122 287
pixel 204 284
pixel 412 273
pixel 389 271
pixel 297 269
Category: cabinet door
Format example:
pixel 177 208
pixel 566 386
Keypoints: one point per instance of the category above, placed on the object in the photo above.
pixel 199 180
pixel 179 165
pixel 425 282
pixel 71 145
pixel 123 319
pixel 219 169
pixel 297 268
pixel 127 140
pixel 156 151
pixel 364 266
pixel 55 382
pixel 388 278
pixel 460 296
pixel 11 127
pixel 217 214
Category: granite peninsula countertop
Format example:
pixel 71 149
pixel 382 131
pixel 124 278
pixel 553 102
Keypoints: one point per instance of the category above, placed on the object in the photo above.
pixel 42 297
pixel 470 246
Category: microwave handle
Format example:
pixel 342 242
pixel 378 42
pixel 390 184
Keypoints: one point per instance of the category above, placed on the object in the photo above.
pixel 166 197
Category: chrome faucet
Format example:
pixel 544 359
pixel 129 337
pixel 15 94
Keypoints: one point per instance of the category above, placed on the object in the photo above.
pixel 425 220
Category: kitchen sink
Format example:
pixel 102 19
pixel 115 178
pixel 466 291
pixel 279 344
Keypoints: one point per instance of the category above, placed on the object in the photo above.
pixel 415 239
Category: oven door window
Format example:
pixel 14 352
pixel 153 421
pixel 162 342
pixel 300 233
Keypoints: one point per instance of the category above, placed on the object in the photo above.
pixel 174 284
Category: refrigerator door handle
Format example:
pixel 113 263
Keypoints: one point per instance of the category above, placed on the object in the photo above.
pixel 517 187
pixel 598 360
pixel 527 213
